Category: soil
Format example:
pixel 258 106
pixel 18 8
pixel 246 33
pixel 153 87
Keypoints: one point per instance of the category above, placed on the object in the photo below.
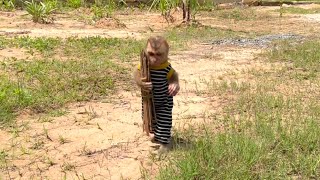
pixel 104 139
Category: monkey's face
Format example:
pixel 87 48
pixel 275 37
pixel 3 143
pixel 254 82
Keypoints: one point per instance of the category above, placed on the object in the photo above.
pixel 157 54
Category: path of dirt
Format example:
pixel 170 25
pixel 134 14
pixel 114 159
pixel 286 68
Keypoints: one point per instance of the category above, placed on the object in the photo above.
pixel 104 139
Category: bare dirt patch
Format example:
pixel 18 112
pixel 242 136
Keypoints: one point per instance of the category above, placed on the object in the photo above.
pixel 14 53
pixel 312 17
pixel 109 23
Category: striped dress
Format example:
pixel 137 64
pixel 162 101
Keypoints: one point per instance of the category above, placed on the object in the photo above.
pixel 163 103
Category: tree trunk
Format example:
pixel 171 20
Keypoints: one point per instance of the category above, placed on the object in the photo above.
pixel 186 10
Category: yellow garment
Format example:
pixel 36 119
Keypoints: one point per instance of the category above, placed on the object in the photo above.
pixel 161 66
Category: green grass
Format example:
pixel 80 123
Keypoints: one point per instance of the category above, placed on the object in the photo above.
pixel 304 56
pixel 74 3
pixel 271 128
pixel 45 46
pixel 234 155
pixel 3 157
pixel 8 94
pixel 3 42
pixel 43 85
pixel 84 69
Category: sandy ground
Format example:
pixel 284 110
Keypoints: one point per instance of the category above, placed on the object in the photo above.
pixel 104 139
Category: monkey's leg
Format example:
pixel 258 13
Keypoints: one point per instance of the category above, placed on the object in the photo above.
pixel 162 131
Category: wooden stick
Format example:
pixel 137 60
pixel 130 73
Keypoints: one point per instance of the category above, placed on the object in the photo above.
pixel 147 96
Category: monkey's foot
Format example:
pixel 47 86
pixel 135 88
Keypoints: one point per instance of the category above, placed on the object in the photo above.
pixel 163 150
pixel 166 147
pixel 153 140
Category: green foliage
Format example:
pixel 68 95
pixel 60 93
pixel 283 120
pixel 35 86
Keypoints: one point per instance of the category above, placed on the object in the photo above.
pixel 104 11
pixel 194 8
pixel 7 5
pixel 53 4
pixel 207 5
pixel 10 5
pixel 164 5
pixel 40 12
pixel 74 3
pixel 99 12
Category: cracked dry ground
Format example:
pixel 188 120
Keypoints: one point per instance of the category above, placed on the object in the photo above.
pixel 104 139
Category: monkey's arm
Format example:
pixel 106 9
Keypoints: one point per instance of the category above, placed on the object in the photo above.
pixel 174 79
pixel 174 86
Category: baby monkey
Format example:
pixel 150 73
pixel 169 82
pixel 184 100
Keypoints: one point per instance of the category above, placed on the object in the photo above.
pixel 164 85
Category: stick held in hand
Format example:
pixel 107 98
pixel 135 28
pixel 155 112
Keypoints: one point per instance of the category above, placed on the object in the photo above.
pixel 146 95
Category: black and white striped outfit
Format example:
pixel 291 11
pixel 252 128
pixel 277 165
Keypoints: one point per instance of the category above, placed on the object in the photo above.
pixel 163 103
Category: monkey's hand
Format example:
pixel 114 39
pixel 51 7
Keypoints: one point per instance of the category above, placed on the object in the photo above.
pixel 174 89
pixel 146 86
